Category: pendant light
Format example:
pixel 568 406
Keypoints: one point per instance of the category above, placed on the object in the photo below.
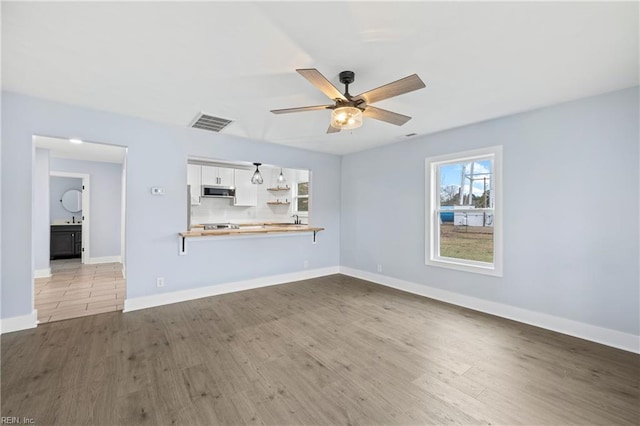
pixel 281 176
pixel 257 177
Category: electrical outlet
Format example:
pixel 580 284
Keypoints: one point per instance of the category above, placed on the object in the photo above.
pixel 379 267
pixel 160 282
pixel 305 264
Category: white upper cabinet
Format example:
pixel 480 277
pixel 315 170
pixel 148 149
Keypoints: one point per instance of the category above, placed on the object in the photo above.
pixel 209 175
pixel 194 179
pixel 246 192
pixel 221 176
pixel 227 176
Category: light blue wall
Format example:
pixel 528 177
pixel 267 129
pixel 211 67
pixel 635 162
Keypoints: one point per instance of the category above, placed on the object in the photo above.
pixel 57 186
pixel 157 156
pixel 571 189
pixel 571 196
pixel 41 209
pixel 105 202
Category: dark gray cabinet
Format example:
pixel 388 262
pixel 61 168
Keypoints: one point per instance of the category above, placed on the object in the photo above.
pixel 66 241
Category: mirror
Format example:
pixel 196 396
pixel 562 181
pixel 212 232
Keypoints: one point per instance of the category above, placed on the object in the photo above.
pixel 72 200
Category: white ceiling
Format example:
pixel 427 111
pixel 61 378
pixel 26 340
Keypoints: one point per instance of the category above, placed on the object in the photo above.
pixel 168 61
pixel 63 148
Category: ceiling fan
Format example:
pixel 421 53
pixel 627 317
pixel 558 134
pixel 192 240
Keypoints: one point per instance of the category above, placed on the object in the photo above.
pixel 348 110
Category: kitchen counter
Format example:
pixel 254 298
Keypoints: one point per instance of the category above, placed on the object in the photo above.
pixel 246 230
pixel 201 225
pixel 259 228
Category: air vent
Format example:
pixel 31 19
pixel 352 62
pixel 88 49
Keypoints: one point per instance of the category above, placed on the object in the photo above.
pixel 209 122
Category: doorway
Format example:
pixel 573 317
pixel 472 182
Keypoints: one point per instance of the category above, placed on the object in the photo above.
pixel 70 216
pixel 78 239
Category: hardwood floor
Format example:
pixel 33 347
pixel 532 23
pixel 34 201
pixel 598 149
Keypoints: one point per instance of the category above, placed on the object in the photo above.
pixel 76 290
pixel 332 350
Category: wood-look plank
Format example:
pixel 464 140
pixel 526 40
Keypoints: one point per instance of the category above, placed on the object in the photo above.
pixel 332 350
pixel 137 408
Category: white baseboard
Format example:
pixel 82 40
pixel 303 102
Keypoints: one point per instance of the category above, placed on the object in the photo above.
pixel 605 336
pixel 42 273
pixel 23 322
pixel 145 302
pixel 105 259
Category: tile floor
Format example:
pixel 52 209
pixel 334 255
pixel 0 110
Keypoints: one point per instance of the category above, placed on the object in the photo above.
pixel 77 290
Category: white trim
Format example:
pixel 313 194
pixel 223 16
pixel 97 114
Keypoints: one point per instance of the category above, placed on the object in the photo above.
pixel 86 219
pixel 86 214
pixel 295 196
pixel 145 302
pixel 605 336
pixel 42 273
pixel 68 174
pixel 123 215
pixel 23 322
pixel 105 259
pixel 432 218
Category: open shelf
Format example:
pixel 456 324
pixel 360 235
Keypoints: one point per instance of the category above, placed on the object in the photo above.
pixel 278 202
pixel 284 188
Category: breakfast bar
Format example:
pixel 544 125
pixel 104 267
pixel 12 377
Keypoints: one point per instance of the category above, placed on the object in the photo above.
pixel 246 229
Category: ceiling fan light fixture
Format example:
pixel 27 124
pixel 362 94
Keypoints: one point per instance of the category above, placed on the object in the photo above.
pixel 346 118
pixel 257 176
pixel 347 111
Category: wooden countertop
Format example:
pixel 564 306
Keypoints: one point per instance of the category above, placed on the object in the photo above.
pixel 254 224
pixel 249 229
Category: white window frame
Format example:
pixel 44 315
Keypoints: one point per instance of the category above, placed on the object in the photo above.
pixel 296 196
pixel 432 218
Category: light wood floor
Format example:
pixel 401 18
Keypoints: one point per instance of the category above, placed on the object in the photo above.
pixel 77 290
pixel 332 350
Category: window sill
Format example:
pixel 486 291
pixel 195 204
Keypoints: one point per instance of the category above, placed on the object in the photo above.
pixel 479 268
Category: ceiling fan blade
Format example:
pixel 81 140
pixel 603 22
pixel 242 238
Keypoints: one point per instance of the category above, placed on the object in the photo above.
pixel 317 79
pixel 301 109
pixel 384 115
pixel 332 129
pixel 398 87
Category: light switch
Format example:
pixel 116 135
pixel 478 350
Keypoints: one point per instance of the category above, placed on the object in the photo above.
pixel 157 191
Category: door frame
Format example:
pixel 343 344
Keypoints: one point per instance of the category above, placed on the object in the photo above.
pixel 86 214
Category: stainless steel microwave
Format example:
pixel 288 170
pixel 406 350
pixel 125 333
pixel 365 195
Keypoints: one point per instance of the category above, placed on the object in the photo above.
pixel 213 191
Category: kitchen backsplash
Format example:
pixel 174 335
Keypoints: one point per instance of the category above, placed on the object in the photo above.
pixel 215 210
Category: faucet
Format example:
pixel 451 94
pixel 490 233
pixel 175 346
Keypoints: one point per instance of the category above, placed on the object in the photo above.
pixel 297 220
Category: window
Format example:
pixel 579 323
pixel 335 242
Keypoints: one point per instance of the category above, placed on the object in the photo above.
pixel 464 211
pixel 301 198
